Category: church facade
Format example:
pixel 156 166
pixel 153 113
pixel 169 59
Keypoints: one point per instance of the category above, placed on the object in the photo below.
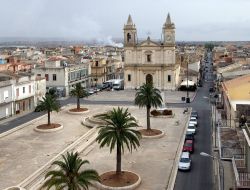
pixel 150 61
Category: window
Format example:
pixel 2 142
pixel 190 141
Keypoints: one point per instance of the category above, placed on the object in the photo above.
pixel 129 77
pixel 29 88
pixel 54 77
pixel 23 89
pixel 47 77
pixel 17 92
pixel 169 78
pixel 128 37
pixel 96 63
pixel 148 58
pixel 5 94
pixel 38 75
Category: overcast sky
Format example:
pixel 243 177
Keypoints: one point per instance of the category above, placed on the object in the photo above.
pixel 104 19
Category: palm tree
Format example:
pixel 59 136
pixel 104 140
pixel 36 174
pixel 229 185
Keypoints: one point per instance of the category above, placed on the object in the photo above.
pixel 68 176
pixel 148 96
pixel 119 132
pixel 78 92
pixel 49 104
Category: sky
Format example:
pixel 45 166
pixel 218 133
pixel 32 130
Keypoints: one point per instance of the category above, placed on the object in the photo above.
pixel 103 20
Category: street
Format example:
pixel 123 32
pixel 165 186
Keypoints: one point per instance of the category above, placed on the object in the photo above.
pixel 200 176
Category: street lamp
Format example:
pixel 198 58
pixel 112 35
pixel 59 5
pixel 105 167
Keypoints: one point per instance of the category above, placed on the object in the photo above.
pixel 187 99
pixel 220 166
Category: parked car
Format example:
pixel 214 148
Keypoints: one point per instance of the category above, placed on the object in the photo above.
pixel 189 135
pixel 194 121
pixel 211 89
pixel 191 128
pixel 90 91
pixel 185 161
pixel 188 146
pixel 194 114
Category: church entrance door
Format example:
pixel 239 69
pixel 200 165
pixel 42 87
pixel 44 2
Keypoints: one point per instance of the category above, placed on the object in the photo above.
pixel 149 78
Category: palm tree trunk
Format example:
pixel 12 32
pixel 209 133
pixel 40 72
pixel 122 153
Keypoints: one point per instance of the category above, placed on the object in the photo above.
pixel 148 119
pixel 48 117
pixel 78 103
pixel 118 160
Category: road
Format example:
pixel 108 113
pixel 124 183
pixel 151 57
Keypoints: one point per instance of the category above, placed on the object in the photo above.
pixel 200 176
pixel 12 123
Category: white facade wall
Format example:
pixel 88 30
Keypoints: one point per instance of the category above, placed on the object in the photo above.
pixel 24 90
pixel 40 90
pixel 6 98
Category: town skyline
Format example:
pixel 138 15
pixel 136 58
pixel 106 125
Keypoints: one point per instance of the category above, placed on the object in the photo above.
pixel 81 20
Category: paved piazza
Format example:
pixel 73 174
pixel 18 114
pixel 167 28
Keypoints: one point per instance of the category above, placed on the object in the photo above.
pixel 25 151
pixel 129 95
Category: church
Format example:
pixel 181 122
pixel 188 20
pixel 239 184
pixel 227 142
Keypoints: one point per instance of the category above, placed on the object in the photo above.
pixel 150 61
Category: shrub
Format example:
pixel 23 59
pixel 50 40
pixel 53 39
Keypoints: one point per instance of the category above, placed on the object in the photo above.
pixel 167 112
pixel 155 113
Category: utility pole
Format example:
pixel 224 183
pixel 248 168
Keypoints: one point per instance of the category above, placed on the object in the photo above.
pixel 187 99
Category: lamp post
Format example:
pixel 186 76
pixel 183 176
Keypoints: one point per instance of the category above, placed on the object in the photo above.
pixel 187 99
pixel 221 168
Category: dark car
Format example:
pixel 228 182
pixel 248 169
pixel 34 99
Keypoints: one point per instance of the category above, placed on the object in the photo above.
pixel 189 136
pixel 211 89
pixel 194 114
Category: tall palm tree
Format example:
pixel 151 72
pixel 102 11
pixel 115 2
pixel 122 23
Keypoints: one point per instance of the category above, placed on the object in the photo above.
pixel 148 96
pixel 78 92
pixel 49 104
pixel 119 132
pixel 69 175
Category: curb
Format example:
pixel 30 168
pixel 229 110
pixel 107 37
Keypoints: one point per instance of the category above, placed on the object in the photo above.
pixel 171 181
pixel 129 187
pixel 77 113
pixel 48 130
pixel 155 136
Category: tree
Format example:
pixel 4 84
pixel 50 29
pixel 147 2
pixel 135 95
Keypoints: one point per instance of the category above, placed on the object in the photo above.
pixel 119 132
pixel 69 175
pixel 49 104
pixel 78 92
pixel 209 46
pixel 53 92
pixel 148 96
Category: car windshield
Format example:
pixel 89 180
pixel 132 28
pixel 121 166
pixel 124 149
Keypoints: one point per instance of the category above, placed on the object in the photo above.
pixel 188 144
pixel 191 127
pixel 192 119
pixel 184 160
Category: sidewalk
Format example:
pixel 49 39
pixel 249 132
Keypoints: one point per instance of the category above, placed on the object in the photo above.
pixel 25 151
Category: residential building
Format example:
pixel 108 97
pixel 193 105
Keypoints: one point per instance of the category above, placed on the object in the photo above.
pixel 24 92
pixel 235 99
pixel 98 71
pixel 61 75
pixel 6 96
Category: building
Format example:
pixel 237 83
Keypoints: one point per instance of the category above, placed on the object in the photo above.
pixel 150 61
pixel 235 99
pixel 24 92
pixel 6 96
pixel 98 71
pixel 61 75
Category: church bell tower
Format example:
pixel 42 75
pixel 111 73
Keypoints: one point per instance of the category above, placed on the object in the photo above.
pixel 168 32
pixel 130 33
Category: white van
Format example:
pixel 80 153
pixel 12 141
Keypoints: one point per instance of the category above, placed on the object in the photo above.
pixel 118 84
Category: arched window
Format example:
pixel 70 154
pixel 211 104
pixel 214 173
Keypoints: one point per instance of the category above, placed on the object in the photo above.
pixel 128 37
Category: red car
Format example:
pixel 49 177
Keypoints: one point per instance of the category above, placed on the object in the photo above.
pixel 188 146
